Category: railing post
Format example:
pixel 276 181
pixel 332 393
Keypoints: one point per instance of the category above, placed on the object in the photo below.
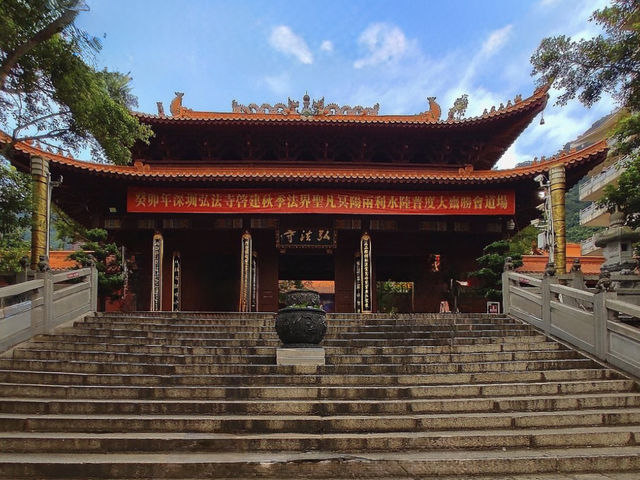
pixel 545 295
pixel 601 316
pixel 94 288
pixel 47 303
pixel 506 292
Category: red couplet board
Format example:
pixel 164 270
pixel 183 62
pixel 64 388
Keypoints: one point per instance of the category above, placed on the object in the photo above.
pixel 175 200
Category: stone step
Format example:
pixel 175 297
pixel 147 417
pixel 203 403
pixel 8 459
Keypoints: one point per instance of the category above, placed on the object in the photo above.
pixel 548 366
pixel 318 464
pixel 212 350
pixel 305 425
pixel 75 378
pixel 419 318
pixel 319 407
pixel 335 342
pixel 59 442
pixel 476 362
pixel 203 356
pixel 308 392
pixel 447 373
pixel 466 372
pixel 270 334
pixel 337 327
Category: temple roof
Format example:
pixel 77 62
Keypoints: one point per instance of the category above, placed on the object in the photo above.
pixel 334 114
pixel 356 174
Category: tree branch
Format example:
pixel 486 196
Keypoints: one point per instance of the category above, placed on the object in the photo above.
pixel 43 35
pixel 37 120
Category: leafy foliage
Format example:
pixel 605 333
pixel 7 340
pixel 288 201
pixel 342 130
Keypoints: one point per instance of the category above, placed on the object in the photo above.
pixel 15 207
pixel 589 68
pixel 48 91
pixel 107 259
pixel 492 262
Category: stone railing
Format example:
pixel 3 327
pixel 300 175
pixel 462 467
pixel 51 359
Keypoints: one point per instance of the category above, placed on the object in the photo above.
pixel 593 322
pixel 38 306
pixel 591 212
pixel 599 181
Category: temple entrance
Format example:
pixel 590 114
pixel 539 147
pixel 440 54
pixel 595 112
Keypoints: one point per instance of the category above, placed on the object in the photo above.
pixel 304 269
pixel 395 297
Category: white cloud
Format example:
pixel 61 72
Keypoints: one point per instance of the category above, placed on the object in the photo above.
pixel 547 3
pixel 326 46
pixel 384 42
pixel 496 40
pixel 284 40
pixel 511 158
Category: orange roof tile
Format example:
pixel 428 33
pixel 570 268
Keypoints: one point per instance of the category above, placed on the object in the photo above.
pixel 59 260
pixel 322 174
pixel 537 263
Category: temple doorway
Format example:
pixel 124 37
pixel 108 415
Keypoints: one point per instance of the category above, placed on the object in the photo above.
pixel 395 297
pixel 305 269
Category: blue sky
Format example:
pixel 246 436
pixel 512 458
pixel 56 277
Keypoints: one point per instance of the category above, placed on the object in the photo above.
pixel 395 53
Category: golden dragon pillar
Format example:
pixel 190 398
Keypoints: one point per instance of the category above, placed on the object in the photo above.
pixel 557 180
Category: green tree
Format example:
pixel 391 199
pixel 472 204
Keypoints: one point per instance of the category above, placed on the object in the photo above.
pixel 107 259
pixel 15 205
pixel 492 262
pixel 51 94
pixel 491 267
pixel 606 64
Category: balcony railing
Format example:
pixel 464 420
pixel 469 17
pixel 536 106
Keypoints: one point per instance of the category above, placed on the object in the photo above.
pixel 594 216
pixel 597 182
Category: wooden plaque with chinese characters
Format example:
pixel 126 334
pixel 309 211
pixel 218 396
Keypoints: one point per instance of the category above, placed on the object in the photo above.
pixel 306 238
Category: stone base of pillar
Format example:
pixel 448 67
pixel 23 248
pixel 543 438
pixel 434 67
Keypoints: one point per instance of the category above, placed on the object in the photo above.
pixel 300 356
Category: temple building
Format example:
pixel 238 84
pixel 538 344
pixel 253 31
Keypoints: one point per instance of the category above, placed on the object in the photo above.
pixel 221 206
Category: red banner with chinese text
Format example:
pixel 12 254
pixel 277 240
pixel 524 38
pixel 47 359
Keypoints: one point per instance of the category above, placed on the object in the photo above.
pixel 173 200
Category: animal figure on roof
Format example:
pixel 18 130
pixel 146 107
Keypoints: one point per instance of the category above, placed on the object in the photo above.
pixel 433 114
pixel 176 104
pixel 318 107
pixel 292 105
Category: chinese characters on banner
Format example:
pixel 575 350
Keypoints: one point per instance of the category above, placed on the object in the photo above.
pixel 305 237
pixel 171 200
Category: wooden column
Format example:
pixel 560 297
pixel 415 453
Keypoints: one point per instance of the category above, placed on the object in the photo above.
pixel 343 278
pixel 39 220
pixel 267 271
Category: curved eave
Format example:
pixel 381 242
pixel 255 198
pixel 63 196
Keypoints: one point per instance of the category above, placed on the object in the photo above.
pixel 533 105
pixel 316 174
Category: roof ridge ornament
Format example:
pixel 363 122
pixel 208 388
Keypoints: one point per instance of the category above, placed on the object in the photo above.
pixel 176 108
pixel 315 108
pixel 459 108
pixel 433 114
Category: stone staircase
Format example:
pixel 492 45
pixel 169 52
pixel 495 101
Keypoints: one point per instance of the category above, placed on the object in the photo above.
pixel 194 396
